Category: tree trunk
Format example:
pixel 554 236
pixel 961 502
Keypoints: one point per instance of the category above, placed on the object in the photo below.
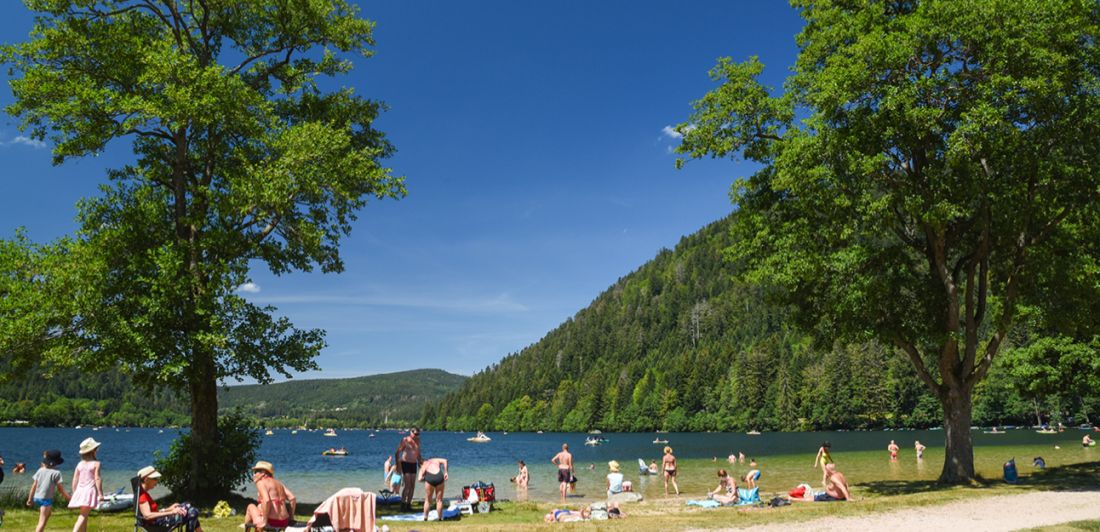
pixel 1038 416
pixel 204 422
pixel 958 464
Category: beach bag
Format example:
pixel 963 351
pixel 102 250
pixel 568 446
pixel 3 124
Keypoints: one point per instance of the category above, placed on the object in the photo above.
pixel 748 496
pixel 1010 471
pixel 776 502
pixel 485 492
pixel 798 492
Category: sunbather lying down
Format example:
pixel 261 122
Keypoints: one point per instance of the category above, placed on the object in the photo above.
pixel 567 516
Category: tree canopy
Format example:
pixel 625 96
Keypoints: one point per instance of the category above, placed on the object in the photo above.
pixel 243 154
pixel 928 168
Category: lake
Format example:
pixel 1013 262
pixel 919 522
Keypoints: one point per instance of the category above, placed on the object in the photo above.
pixel 785 459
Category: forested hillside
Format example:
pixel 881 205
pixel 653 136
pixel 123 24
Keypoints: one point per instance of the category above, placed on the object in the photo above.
pixel 678 345
pixel 361 401
pixel 74 398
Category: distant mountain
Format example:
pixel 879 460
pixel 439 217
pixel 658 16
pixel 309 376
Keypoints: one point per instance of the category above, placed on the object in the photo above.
pixel 365 401
pixel 679 344
pixel 72 398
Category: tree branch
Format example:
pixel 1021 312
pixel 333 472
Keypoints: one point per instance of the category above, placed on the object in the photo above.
pixel 918 363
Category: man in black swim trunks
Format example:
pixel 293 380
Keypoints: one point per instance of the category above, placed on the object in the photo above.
pixel 564 461
pixel 408 458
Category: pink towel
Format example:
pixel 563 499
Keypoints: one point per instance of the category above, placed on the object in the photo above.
pixel 350 509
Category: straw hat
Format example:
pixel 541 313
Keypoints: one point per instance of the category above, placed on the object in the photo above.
pixel 88 445
pixel 148 472
pixel 613 466
pixel 264 466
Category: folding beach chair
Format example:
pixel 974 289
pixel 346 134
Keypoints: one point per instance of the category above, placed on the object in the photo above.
pixel 139 521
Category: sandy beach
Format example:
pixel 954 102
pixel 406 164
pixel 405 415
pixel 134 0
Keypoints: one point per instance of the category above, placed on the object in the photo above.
pixel 996 513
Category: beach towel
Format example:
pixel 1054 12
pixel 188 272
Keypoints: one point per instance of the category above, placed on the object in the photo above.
pixel 349 508
pixel 402 517
pixel 705 503
pixel 449 513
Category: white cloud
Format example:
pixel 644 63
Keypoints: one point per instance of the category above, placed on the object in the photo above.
pixel 671 133
pixel 24 140
pixel 249 287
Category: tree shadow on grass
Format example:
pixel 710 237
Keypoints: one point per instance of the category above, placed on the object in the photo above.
pixel 1074 477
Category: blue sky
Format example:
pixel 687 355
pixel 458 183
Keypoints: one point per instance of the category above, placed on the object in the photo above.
pixel 532 136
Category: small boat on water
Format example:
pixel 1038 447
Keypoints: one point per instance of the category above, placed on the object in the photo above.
pixel 595 441
pixel 480 438
pixel 371 435
pixel 335 452
pixel 1047 431
pixel 293 432
pixel 753 433
pixel 330 432
pixel 538 432
pixel 659 441
pixel 269 433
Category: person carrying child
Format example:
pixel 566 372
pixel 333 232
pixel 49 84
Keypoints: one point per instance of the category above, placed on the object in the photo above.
pixel 47 483
pixel 87 484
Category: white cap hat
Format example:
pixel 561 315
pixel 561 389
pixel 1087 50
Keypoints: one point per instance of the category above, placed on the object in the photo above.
pixel 148 472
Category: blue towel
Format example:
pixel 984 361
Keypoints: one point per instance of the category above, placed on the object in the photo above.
pixel 705 503
pixel 402 517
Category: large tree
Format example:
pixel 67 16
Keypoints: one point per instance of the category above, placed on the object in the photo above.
pixel 928 168
pixel 243 154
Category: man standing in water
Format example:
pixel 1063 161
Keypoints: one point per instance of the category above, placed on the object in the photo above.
pixel 408 458
pixel 564 461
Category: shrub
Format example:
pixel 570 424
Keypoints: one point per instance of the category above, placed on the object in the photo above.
pixel 224 467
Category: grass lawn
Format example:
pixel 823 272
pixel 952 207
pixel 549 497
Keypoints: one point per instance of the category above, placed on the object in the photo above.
pixel 669 514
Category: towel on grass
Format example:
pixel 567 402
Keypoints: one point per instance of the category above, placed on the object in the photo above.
pixel 705 503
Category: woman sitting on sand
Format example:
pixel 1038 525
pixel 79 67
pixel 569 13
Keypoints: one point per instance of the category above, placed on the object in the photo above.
pixel 567 516
pixel 726 492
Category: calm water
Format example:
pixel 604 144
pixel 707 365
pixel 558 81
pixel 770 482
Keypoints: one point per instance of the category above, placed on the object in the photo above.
pixel 785 459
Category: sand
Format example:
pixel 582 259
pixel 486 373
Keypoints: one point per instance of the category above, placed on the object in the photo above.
pixel 997 513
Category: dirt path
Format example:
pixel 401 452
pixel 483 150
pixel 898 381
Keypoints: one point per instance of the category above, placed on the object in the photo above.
pixel 1001 512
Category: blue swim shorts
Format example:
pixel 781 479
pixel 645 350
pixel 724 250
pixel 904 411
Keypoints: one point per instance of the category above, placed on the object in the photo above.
pixel 43 502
